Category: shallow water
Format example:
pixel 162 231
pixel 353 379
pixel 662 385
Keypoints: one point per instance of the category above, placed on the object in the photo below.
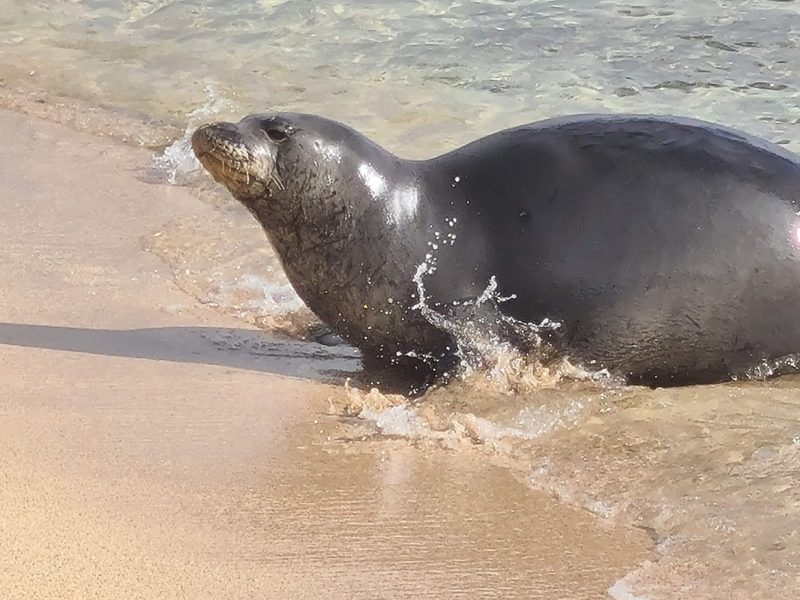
pixel 419 76
pixel 709 471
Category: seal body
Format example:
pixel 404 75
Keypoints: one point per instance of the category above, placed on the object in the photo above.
pixel 667 250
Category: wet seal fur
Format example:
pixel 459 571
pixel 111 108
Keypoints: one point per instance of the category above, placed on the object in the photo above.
pixel 667 250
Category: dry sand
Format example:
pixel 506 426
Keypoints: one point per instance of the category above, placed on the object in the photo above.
pixel 144 454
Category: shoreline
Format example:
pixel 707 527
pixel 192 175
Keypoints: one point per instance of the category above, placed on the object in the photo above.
pixel 145 447
pixel 82 116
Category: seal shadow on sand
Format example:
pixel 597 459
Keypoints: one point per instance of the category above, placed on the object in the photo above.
pixel 236 348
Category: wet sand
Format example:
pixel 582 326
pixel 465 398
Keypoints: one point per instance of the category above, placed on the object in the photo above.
pixel 153 447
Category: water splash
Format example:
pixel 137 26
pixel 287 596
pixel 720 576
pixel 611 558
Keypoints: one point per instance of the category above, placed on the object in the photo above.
pixel 262 295
pixel 767 369
pixel 269 305
pixel 513 356
pixel 178 160
pixel 622 591
pixel 429 422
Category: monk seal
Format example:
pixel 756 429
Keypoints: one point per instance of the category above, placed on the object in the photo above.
pixel 666 250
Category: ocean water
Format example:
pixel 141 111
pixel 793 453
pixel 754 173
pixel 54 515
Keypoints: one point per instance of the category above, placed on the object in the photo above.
pixel 711 471
pixel 419 76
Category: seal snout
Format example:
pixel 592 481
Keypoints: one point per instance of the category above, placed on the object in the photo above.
pixel 232 158
pixel 215 139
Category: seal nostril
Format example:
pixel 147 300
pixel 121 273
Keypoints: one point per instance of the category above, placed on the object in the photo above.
pixel 277 135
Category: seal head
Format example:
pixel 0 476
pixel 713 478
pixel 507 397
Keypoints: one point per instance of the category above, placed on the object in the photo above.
pixel 339 210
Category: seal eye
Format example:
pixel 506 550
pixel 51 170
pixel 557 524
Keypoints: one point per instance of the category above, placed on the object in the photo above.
pixel 277 135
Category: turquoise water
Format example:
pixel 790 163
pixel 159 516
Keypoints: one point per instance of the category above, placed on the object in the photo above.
pixel 710 471
pixel 420 76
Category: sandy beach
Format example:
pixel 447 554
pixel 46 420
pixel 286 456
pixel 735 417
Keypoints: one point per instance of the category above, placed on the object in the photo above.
pixel 152 447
